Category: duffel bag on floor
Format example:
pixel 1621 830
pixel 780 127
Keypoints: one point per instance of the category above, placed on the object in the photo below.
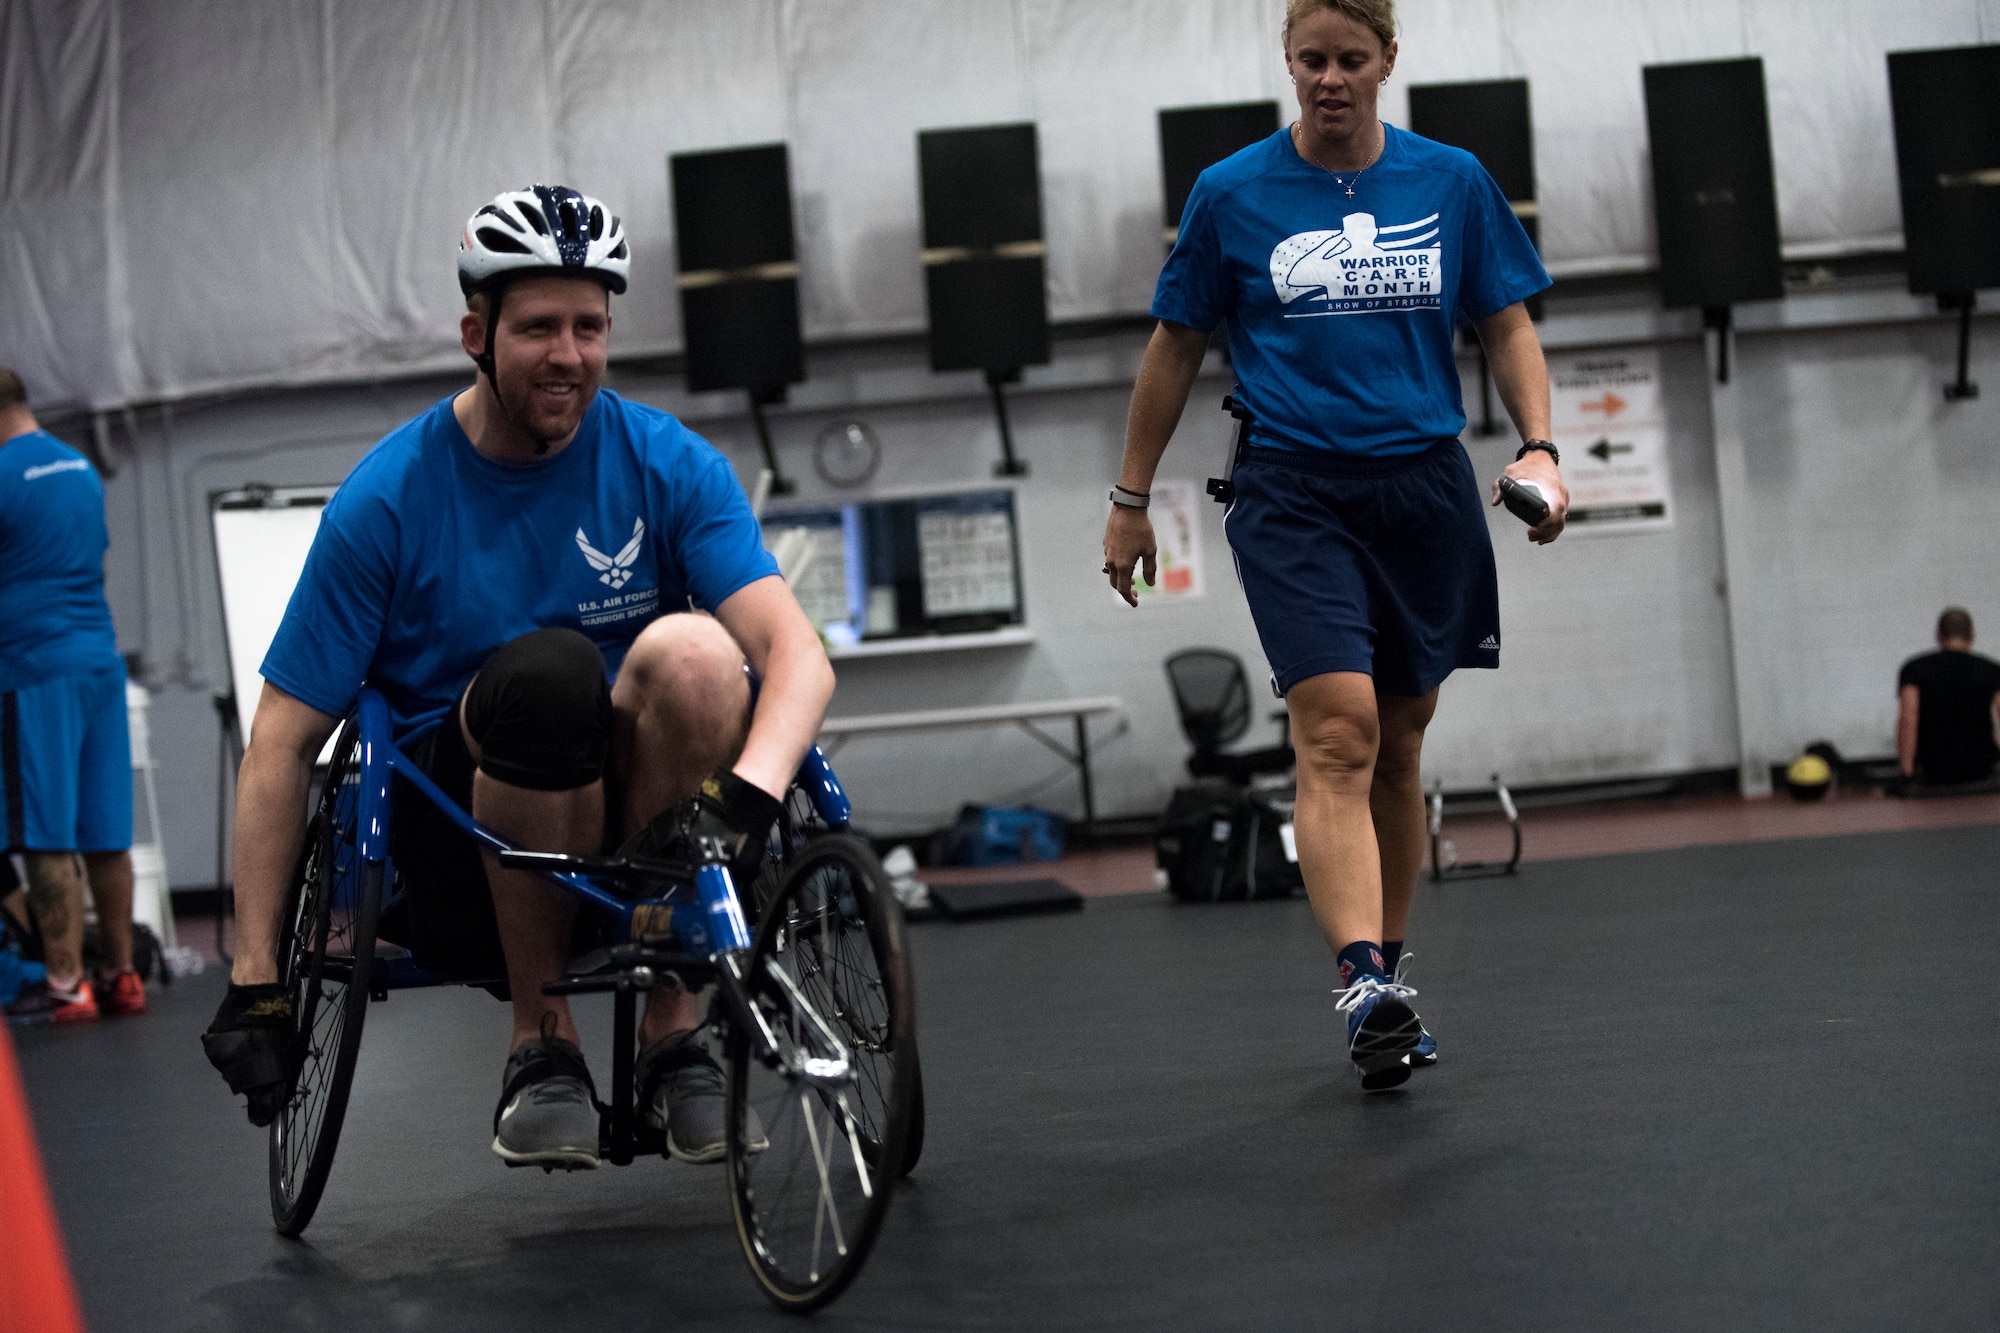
pixel 1217 841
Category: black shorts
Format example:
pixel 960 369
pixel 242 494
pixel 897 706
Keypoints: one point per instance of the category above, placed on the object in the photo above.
pixel 1378 565
pixel 541 709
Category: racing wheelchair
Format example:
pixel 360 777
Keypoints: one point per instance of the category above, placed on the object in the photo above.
pixel 815 1005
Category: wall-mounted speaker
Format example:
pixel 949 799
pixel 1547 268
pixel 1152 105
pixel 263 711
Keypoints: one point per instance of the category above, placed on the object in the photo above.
pixel 1490 121
pixel 739 272
pixel 1947 109
pixel 1195 138
pixel 984 280
pixel 1715 200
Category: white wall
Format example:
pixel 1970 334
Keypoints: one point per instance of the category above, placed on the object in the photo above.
pixel 1616 657
pixel 1876 504
pixel 1873 501
pixel 259 197
pixel 207 195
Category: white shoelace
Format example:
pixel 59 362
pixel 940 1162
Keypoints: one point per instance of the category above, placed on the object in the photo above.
pixel 1402 966
pixel 1352 997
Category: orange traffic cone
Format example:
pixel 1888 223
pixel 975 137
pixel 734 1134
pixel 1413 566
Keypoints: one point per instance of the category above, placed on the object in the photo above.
pixel 36 1294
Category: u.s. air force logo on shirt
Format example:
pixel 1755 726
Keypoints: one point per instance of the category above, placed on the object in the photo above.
pixel 1360 269
pixel 615 571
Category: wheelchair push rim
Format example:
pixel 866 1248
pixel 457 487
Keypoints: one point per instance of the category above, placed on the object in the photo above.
pixel 325 948
pixel 829 974
pixel 802 827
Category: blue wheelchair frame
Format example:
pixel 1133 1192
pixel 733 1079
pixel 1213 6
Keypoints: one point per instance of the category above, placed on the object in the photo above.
pixel 695 944
pixel 719 926
pixel 788 1025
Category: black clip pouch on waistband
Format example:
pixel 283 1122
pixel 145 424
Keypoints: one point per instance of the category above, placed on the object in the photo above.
pixel 1222 488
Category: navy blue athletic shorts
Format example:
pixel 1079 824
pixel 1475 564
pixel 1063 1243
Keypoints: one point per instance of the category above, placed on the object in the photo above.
pixel 1370 564
pixel 66 765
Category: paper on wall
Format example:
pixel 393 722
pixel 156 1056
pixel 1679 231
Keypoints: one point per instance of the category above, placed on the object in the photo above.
pixel 1177 529
pixel 1608 421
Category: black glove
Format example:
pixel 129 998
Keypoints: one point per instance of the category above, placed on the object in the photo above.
pixel 737 815
pixel 250 1042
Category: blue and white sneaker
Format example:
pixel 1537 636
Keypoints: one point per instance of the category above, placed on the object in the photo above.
pixel 1382 1031
pixel 1426 1053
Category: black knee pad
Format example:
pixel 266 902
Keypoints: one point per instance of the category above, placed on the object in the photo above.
pixel 540 712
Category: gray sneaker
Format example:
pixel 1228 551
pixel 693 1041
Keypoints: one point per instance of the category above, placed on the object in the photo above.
pixel 547 1115
pixel 680 1087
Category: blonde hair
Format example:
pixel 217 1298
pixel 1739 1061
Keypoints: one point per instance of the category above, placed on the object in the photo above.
pixel 1378 16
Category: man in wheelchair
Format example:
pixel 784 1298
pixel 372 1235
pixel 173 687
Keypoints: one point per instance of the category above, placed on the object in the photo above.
pixel 523 572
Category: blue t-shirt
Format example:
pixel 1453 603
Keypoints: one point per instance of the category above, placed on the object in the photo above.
pixel 431 555
pixel 53 617
pixel 1341 309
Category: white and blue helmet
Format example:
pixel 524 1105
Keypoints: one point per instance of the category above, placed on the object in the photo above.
pixel 540 229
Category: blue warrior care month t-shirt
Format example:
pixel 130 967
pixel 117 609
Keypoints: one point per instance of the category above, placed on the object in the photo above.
pixel 431 555
pixel 53 617
pixel 1342 291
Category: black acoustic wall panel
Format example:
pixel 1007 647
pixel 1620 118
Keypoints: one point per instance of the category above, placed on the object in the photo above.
pixel 1714 197
pixel 1947 109
pixel 1490 121
pixel 739 272
pixel 1195 138
pixel 983 251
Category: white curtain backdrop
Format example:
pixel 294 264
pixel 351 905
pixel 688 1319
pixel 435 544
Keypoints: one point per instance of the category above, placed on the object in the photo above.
pixel 203 195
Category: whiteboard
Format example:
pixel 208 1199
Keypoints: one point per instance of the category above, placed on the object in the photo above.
pixel 261 536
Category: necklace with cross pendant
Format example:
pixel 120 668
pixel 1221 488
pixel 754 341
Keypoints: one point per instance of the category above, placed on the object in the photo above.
pixel 1298 141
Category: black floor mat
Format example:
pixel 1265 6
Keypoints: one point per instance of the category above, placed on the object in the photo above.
pixel 1716 1088
pixel 1015 897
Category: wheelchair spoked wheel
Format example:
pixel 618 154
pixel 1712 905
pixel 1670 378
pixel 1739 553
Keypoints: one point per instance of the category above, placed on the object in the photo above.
pixel 857 1019
pixel 803 829
pixel 325 945
pixel 808 1205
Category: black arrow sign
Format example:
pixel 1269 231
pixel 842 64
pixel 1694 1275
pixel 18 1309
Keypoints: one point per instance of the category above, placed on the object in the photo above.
pixel 1603 450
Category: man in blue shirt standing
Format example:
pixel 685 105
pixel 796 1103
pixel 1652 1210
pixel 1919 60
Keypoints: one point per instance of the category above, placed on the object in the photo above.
pixel 65 754
pixel 557 591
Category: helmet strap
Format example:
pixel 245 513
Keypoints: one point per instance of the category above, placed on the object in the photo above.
pixel 485 359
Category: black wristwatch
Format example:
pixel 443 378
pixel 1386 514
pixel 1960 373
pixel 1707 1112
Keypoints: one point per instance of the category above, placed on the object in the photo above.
pixel 1544 446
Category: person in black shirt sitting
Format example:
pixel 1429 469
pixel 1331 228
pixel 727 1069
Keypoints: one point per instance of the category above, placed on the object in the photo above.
pixel 1944 723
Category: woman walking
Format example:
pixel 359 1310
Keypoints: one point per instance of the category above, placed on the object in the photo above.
pixel 1340 252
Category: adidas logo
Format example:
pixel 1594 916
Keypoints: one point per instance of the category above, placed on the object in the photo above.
pixel 1491 641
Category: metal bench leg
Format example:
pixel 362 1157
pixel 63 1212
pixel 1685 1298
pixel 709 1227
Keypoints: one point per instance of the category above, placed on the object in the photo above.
pixel 1083 772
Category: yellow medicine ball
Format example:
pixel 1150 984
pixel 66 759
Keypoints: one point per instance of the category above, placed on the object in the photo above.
pixel 1808 778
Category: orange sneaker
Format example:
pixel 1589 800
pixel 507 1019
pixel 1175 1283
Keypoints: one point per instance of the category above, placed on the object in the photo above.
pixel 43 1003
pixel 121 996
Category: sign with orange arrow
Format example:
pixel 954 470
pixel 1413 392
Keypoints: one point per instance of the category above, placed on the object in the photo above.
pixel 1607 420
